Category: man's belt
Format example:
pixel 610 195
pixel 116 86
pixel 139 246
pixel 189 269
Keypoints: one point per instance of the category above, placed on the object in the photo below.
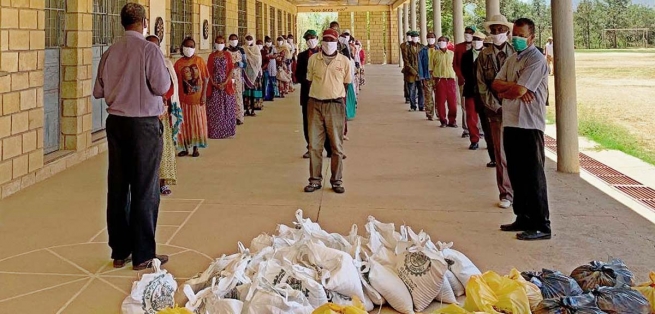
pixel 325 101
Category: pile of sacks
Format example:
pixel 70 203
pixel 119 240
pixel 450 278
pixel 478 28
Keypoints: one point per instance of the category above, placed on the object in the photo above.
pixel 595 288
pixel 302 268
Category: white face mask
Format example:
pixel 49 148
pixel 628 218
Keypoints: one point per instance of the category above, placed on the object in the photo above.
pixel 478 44
pixel 269 45
pixel 329 48
pixel 343 40
pixel 290 40
pixel 415 39
pixel 443 45
pixel 188 52
pixel 219 47
pixel 468 38
pixel 249 42
pixel 280 42
pixel 312 43
pixel 499 39
pixel 234 43
pixel 431 41
pixel 409 38
pixel 260 47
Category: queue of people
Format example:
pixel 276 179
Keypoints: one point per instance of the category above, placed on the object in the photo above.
pixel 500 82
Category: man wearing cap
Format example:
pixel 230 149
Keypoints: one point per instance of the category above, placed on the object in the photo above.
pixel 328 74
pixel 443 73
pixel 490 60
pixel 472 100
pixel 550 56
pixel 460 49
pixel 410 72
pixel 403 47
pixel 301 76
pixel 425 75
pixel 522 84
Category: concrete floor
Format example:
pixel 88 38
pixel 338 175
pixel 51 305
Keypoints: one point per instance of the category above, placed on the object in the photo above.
pixel 401 168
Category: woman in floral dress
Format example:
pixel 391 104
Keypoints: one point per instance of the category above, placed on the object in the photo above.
pixel 239 61
pixel 221 116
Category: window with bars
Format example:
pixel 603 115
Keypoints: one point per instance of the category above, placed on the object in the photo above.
pixel 55 20
pixel 280 25
pixel 289 29
pixel 243 19
pixel 181 27
pixel 107 28
pixel 271 28
pixel 218 19
pixel 259 12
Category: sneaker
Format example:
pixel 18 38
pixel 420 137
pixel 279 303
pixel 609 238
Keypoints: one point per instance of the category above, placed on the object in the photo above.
pixel 464 134
pixel 473 146
pixel 312 187
pixel 504 203
pixel 338 189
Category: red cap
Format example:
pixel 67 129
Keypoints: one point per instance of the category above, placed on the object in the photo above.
pixel 331 33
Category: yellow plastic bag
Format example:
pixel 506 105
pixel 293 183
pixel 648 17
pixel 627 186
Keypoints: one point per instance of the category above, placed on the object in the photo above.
pixel 452 309
pixel 331 308
pixel 647 289
pixel 531 290
pixel 492 293
pixel 479 296
pixel 177 310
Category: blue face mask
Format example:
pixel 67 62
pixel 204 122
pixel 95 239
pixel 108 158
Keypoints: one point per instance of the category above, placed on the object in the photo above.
pixel 520 43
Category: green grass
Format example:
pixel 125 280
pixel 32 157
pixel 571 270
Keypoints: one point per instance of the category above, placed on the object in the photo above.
pixel 632 50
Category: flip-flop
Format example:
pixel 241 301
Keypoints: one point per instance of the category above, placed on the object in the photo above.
pixel 164 190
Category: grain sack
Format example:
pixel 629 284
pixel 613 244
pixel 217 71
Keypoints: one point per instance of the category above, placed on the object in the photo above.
pixel 298 278
pixel 458 263
pixel 154 292
pixel 385 281
pixel 422 270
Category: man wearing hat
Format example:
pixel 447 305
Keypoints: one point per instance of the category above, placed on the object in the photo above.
pixel 550 56
pixel 425 74
pixel 472 100
pixel 408 41
pixel 490 61
pixel 328 74
pixel 311 37
pixel 460 49
pixel 410 72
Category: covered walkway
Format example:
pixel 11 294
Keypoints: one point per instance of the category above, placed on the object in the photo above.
pixel 400 168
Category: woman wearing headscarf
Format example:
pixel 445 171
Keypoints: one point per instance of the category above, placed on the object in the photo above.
pixel 252 77
pixel 239 60
pixel 171 119
pixel 192 79
pixel 283 50
pixel 221 116
pixel 362 60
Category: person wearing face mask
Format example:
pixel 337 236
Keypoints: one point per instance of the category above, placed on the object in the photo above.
pixel 460 49
pixel 192 98
pixel 425 76
pixel 221 116
pixel 403 50
pixel 490 61
pixel 252 76
pixel 473 103
pixel 269 66
pixel 329 74
pixel 132 77
pixel 283 50
pixel 522 84
pixel 362 61
pixel 410 73
pixel 239 60
pixel 301 76
pixel 445 83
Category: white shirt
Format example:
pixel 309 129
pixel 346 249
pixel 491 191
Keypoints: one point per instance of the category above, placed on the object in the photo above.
pixel 549 49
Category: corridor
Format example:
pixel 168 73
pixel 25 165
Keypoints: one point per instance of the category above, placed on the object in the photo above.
pixel 401 168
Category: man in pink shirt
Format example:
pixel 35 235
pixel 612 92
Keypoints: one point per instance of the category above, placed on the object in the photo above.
pixel 132 78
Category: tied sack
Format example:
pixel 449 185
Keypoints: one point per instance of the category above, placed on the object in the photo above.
pixel 266 298
pixel 385 281
pixel 647 289
pixel 553 284
pixel 580 304
pixel 229 263
pixel 621 300
pixel 460 265
pixel 374 298
pixel 422 270
pixel 210 300
pixel 531 290
pixel 612 274
pixel 153 293
pixel 297 277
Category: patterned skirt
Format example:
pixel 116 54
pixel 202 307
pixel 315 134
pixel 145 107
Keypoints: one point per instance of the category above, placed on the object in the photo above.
pixel 221 117
pixel 194 128
pixel 168 166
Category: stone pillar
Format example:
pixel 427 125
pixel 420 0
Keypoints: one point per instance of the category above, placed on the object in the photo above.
pixel 436 10
pixel 493 8
pixel 458 21
pixel 565 88
pixel 401 34
pixel 424 22
pixel 405 20
pixel 412 14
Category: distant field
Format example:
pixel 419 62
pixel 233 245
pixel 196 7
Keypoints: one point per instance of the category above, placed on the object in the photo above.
pixel 616 99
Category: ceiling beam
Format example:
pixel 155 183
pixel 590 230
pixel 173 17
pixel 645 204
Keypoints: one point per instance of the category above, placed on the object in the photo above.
pixel 397 3
pixel 342 8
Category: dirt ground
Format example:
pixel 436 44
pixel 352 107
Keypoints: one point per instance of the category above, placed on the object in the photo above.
pixel 617 87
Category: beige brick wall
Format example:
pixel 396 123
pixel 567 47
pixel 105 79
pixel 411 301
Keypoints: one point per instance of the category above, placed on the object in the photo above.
pixel 376 44
pixel 393 44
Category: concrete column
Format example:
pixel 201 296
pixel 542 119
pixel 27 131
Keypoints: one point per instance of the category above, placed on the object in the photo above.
pixel 436 10
pixel 401 35
pixel 565 87
pixel 493 8
pixel 424 22
pixel 405 19
pixel 412 14
pixel 458 21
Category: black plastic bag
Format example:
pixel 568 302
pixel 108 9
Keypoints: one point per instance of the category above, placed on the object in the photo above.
pixel 621 300
pixel 581 304
pixel 612 274
pixel 553 284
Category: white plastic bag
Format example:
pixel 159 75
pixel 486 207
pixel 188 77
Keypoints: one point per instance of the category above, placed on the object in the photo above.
pixel 381 235
pixel 385 281
pixel 458 263
pixel 266 298
pixel 231 262
pixel 260 242
pixel 208 301
pixel 297 277
pixel 154 292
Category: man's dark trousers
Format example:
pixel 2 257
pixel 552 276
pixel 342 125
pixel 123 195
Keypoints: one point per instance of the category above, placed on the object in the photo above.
pixel 524 149
pixel 135 148
pixel 304 99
